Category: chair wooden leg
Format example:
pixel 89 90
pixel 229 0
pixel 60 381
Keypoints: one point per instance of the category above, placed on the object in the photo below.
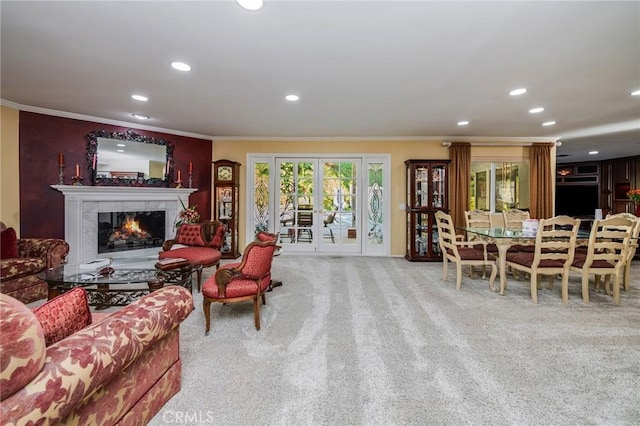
pixel 565 288
pixel 585 287
pixel 445 268
pixel 458 275
pixel 616 289
pixel 625 279
pixel 256 313
pixel 534 288
pixel 199 275
pixel 264 300
pixel 206 307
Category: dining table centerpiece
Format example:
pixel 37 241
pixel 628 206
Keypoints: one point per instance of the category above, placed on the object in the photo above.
pixel 634 195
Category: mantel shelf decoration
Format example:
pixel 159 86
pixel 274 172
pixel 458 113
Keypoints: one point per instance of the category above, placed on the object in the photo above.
pixel 163 167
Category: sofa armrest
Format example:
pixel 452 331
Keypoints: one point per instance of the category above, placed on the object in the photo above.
pixel 166 246
pixel 53 250
pixel 82 363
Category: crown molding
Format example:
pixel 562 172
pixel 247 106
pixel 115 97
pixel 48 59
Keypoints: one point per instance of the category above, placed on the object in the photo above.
pixel 83 117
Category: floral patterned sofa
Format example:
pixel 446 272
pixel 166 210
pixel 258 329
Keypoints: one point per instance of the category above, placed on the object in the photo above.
pixel 121 369
pixel 19 269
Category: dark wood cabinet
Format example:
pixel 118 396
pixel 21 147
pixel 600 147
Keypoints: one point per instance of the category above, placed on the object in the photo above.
pixel 618 178
pixel 226 178
pixel 427 192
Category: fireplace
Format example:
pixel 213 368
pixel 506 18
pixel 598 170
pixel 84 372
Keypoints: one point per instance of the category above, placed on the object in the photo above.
pixel 84 204
pixel 132 230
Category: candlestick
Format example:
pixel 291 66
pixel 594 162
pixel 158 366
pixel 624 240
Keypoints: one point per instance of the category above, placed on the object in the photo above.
pixel 179 181
pixel 190 180
pixel 60 174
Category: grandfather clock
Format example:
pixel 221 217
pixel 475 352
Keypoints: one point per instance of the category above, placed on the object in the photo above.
pixel 226 175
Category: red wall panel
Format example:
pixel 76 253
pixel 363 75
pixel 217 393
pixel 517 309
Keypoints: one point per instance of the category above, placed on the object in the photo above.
pixel 42 137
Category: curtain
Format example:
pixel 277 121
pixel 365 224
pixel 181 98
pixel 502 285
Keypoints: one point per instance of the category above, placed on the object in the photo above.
pixel 460 176
pixel 541 181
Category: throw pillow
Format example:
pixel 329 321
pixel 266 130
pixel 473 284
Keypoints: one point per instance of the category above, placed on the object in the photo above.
pixel 190 235
pixel 216 241
pixel 8 244
pixel 64 315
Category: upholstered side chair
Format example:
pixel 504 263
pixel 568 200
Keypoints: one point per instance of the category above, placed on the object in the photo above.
pixel 244 281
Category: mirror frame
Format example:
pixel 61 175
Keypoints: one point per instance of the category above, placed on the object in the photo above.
pixel 129 135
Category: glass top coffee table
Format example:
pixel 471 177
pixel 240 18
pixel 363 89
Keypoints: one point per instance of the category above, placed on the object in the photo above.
pixel 121 281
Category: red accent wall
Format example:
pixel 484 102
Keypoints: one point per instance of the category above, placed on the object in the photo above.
pixel 42 137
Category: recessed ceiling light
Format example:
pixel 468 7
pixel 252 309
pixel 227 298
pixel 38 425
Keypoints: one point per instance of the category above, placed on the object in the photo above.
pixel 462 123
pixel 120 150
pixel 140 98
pixel 141 116
pixel 181 66
pixel 120 144
pixel 549 123
pixel 251 4
pixel 536 110
pixel 593 152
pixel 292 98
pixel 635 93
pixel 517 92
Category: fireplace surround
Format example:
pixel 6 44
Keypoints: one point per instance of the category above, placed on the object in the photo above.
pixel 83 203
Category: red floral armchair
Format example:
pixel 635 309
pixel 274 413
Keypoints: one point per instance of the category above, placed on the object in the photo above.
pixel 21 261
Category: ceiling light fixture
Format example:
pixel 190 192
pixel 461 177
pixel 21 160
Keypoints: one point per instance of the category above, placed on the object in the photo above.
pixel 517 92
pixel 140 98
pixel 251 4
pixel 141 116
pixel 292 98
pixel 593 152
pixel 180 66
pixel 536 110
pixel 549 123
pixel 462 123
pixel 635 93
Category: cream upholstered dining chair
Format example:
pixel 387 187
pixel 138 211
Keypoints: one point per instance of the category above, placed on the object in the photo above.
pixel 554 250
pixel 461 252
pixel 606 254
pixel 513 218
pixel 633 246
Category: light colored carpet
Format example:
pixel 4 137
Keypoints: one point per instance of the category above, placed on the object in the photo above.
pixel 373 341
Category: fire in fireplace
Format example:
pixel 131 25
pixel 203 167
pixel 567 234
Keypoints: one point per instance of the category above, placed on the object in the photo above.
pixel 120 231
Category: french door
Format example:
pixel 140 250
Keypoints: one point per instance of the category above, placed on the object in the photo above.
pixel 331 204
pixel 318 204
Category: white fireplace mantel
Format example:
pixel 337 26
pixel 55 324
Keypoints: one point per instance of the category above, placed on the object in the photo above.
pixel 83 203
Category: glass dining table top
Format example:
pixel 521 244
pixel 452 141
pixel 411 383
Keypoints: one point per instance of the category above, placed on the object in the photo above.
pixel 504 233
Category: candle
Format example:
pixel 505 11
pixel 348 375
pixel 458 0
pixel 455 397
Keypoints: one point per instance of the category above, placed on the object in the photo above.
pixel 60 159
pixel 94 161
pixel 178 175
pixel 190 167
pixel 167 172
pixel 77 170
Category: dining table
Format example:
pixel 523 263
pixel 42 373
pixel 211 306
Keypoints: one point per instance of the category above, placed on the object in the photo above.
pixel 504 238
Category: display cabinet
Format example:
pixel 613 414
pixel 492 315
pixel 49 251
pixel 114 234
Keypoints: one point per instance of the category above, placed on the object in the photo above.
pixel 427 193
pixel 226 175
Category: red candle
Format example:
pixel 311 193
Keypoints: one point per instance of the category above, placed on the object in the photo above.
pixel 94 161
pixel 190 167
pixel 77 170
pixel 178 175
pixel 60 159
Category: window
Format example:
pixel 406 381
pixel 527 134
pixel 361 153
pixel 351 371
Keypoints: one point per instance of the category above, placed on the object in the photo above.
pixel 498 187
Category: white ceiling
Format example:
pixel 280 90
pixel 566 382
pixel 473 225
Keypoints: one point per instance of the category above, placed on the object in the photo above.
pixel 362 68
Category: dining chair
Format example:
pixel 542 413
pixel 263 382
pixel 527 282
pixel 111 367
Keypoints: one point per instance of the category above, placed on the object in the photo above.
pixel 244 281
pixel 554 250
pixel 606 254
pixel 633 246
pixel 461 252
pixel 513 218
pixel 305 224
pixel 479 219
pixel 328 221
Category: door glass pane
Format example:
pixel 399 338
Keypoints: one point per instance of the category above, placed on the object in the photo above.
pixel 261 197
pixel 375 197
pixel 506 187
